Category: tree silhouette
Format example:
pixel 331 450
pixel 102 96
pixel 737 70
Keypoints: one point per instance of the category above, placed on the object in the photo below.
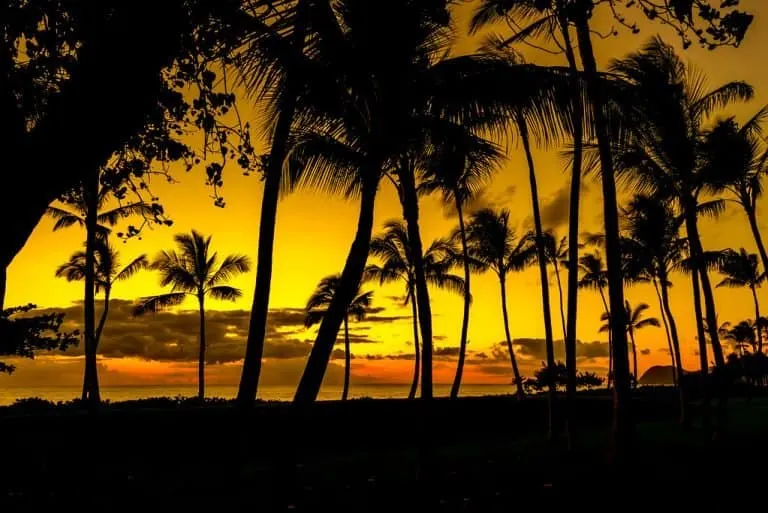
pixel 459 168
pixel 634 322
pixel 393 248
pixel 742 335
pixel 741 270
pixel 556 252
pixel 358 308
pixel 493 245
pixel 107 272
pixel 194 271
pixel 594 276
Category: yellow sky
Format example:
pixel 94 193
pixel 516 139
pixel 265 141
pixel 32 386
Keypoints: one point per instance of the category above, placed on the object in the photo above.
pixel 314 233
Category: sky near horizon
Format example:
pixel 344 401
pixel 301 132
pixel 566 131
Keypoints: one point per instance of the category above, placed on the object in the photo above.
pixel 314 232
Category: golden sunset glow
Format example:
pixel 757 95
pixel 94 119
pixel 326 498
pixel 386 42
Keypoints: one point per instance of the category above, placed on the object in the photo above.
pixel 314 233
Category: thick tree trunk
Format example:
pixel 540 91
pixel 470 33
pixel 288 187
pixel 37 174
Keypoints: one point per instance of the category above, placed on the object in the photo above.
pixel 752 216
pixel 703 361
pixel 347 359
pixel 90 380
pixel 675 349
pixel 411 214
pixel 257 325
pixel 201 354
pixel 666 331
pixel 312 378
pixel 515 369
pixel 417 351
pixel 622 419
pixel 757 320
pixel 465 319
pixel 543 278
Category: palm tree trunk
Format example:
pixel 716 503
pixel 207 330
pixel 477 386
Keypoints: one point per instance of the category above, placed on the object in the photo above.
pixel 103 319
pixel 515 369
pixel 666 331
pixel 757 320
pixel 3 283
pixel 417 351
pixel 465 319
pixel 312 378
pixel 697 254
pixel 675 349
pixel 610 339
pixel 347 359
pixel 703 361
pixel 573 221
pixel 201 354
pixel 411 214
pixel 560 297
pixel 752 216
pixel 634 356
pixel 622 426
pixel 257 325
pixel 542 258
pixel 90 379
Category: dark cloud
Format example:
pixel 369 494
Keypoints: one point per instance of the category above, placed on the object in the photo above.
pixel 485 198
pixel 535 348
pixel 645 352
pixel 173 336
pixel 445 351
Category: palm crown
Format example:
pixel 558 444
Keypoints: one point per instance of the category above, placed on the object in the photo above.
pixel 493 244
pixel 322 296
pixel 107 266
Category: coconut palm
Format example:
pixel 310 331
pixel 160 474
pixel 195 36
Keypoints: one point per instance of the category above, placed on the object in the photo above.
pixel 394 250
pixel 107 273
pixel 667 107
pixel 85 207
pixel 493 245
pixel 742 335
pixel 740 269
pixel 735 159
pixel 635 322
pixel 384 97
pixel 459 168
pixel 358 308
pixel 593 275
pixel 557 252
pixel 194 270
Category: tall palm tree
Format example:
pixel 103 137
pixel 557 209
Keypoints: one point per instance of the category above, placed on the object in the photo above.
pixel 740 269
pixel 107 273
pixel 394 250
pixel 636 322
pixel 84 207
pixel 493 245
pixel 194 270
pixel 593 275
pixel 459 168
pixel 666 108
pixel 316 306
pixel 384 96
pixel 735 159
pixel 557 253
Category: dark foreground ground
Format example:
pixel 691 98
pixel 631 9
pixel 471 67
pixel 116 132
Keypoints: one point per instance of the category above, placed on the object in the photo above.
pixel 485 454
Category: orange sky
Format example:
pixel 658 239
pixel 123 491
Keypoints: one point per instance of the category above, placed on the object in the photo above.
pixel 313 236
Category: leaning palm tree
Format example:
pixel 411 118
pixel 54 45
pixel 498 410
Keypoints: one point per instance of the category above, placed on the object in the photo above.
pixel 317 304
pixel 459 167
pixel 85 207
pixel 107 273
pixel 394 250
pixel 740 269
pixel 194 270
pixel 493 245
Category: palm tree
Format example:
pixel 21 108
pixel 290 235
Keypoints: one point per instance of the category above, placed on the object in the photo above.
pixel 735 159
pixel 594 276
pixel 271 54
pixel 741 270
pixel 319 301
pixel 493 245
pixel 557 252
pixel 393 248
pixel 460 166
pixel 665 111
pixel 384 96
pixel 107 273
pixel 194 271
pixel 636 322
pixel 742 335
pixel 85 206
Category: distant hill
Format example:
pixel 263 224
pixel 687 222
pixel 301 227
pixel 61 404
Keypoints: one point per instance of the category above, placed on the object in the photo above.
pixel 658 375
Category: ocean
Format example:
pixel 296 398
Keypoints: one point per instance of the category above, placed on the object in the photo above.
pixel 8 395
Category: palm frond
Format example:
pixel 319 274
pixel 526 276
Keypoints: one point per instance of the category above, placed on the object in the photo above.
pixel 225 293
pixel 139 263
pixel 230 267
pixel 158 303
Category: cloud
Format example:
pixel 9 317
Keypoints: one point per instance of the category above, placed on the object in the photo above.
pixel 645 352
pixel 445 351
pixel 535 348
pixel 173 336
pixel 485 198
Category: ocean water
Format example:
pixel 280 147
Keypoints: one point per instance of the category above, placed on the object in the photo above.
pixel 271 393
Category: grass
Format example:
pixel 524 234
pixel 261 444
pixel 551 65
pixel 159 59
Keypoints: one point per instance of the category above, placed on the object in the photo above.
pixel 485 454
